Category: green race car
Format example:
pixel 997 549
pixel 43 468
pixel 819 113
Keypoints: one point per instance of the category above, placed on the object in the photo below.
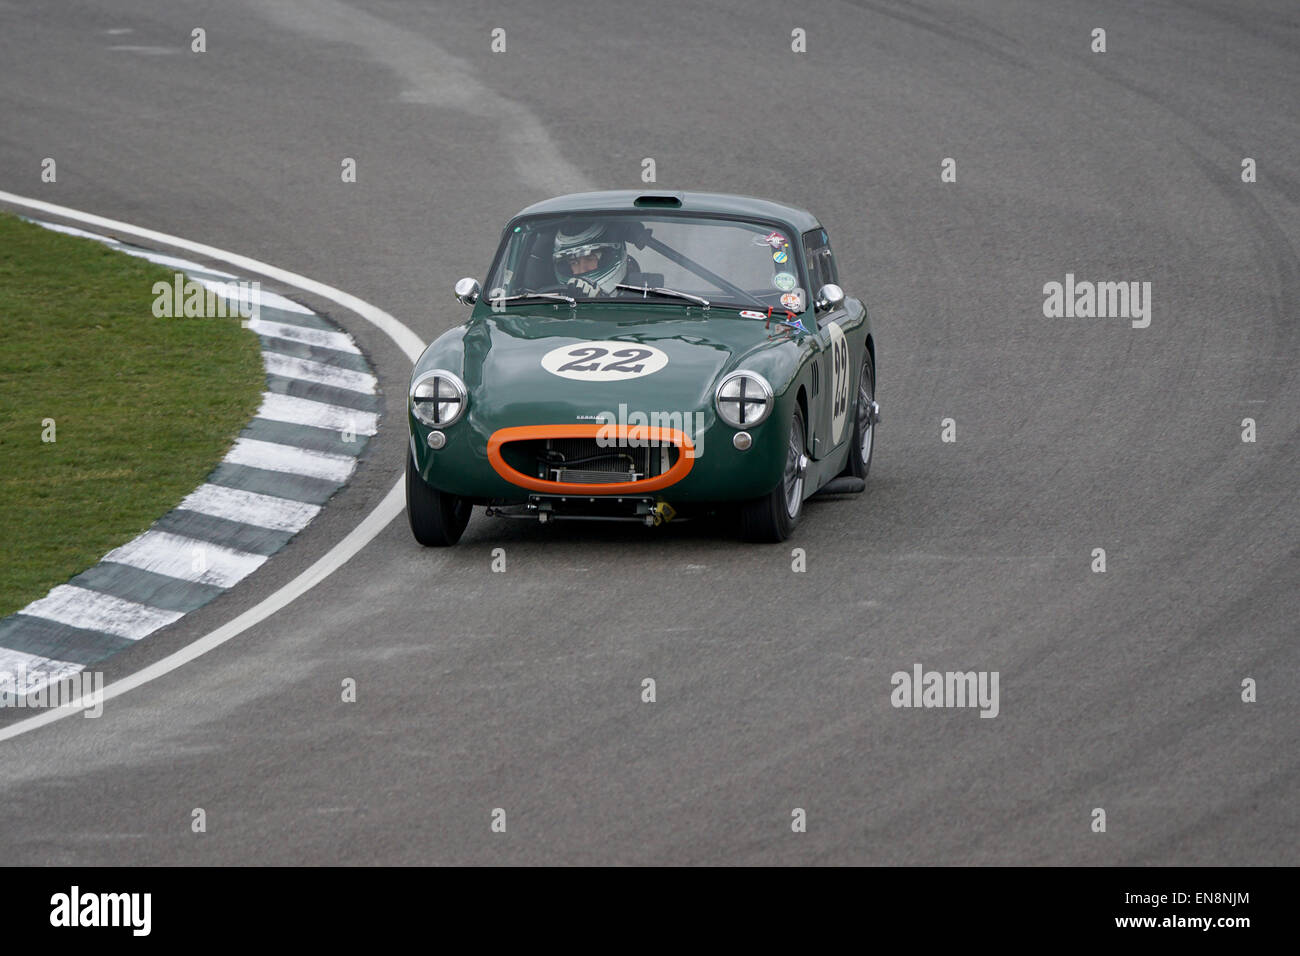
pixel 646 356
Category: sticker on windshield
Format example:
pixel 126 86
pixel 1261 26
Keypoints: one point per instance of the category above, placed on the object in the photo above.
pixel 751 314
pixel 773 239
pixel 793 300
pixel 604 361
pixel 785 281
pixel 780 255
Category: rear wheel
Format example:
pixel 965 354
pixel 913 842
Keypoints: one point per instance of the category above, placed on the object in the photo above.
pixel 863 440
pixel 774 516
pixel 437 518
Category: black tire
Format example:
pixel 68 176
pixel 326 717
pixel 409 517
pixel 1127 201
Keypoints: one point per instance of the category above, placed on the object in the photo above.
pixel 774 516
pixel 859 463
pixel 437 519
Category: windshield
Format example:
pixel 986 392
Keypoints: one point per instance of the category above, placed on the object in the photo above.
pixel 748 265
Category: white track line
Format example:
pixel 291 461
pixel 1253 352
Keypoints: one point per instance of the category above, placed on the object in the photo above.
pixel 301 333
pixel 291 459
pixel 304 411
pixel 277 363
pixel 186 558
pixel 375 522
pixel 97 611
pixel 249 507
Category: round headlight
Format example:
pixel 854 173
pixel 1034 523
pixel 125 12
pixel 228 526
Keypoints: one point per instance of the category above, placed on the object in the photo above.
pixel 438 398
pixel 743 399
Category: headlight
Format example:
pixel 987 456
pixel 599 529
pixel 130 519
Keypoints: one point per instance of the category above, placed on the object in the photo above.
pixel 743 399
pixel 438 398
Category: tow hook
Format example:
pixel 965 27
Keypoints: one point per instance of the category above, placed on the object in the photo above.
pixel 663 513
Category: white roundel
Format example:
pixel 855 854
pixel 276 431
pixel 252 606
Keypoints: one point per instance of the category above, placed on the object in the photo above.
pixel 839 380
pixel 604 361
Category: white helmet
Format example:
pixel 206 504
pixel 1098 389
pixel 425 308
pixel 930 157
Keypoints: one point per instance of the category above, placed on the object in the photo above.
pixel 578 241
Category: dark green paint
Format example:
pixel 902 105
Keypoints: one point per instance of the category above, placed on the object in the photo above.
pixel 498 355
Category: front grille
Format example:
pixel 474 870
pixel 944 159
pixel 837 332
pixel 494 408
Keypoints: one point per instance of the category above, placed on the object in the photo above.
pixel 585 476
pixel 584 461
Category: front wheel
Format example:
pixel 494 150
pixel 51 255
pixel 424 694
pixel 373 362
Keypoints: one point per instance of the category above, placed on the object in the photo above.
pixel 774 516
pixel 437 518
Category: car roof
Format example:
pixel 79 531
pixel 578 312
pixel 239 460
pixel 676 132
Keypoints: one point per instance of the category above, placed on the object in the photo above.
pixel 662 202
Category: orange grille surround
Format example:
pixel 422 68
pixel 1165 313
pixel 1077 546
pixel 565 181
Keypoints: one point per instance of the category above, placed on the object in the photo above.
pixel 649 433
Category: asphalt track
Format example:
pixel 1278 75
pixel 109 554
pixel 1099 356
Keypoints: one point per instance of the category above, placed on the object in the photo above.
pixel 521 690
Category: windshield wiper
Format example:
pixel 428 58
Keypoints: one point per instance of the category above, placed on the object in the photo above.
pixel 646 290
pixel 553 296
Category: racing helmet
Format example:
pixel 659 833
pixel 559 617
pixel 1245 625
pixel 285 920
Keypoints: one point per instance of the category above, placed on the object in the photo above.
pixel 577 243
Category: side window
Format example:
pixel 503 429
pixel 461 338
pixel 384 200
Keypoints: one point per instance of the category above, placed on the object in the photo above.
pixel 817 251
pixel 832 270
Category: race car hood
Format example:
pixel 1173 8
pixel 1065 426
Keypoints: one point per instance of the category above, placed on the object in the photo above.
pixel 508 383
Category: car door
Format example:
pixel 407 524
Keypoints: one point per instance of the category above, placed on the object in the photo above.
pixel 831 406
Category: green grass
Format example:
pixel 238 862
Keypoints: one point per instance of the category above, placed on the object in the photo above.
pixel 143 407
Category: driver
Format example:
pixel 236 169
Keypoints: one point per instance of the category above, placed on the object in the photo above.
pixel 590 257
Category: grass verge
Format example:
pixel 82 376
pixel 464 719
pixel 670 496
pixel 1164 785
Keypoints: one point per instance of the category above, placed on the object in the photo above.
pixel 142 407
